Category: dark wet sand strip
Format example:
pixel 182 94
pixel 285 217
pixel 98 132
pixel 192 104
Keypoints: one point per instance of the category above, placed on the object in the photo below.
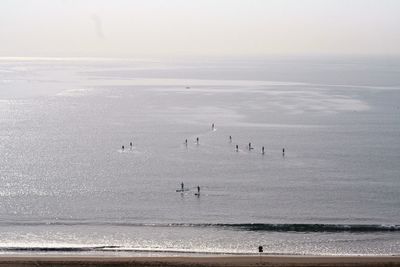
pixel 314 261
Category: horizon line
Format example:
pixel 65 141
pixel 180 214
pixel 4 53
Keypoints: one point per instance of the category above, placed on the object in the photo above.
pixel 155 57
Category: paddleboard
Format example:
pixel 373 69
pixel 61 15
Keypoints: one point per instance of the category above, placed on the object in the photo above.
pixel 182 190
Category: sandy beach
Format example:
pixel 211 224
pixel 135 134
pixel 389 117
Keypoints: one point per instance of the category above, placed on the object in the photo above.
pixel 326 261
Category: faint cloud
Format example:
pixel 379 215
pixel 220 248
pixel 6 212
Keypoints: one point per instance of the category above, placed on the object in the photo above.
pixel 98 26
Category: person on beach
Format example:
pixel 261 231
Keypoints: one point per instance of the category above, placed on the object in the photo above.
pixel 250 146
pixel 123 148
pixel 212 127
pixel 283 152
pixel 262 150
pixel 131 144
pixel 230 139
pixel 197 140
pixel 198 190
pixel 182 186
pixel 185 142
pixel 237 148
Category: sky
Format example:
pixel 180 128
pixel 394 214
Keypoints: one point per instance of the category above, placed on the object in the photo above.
pixel 132 28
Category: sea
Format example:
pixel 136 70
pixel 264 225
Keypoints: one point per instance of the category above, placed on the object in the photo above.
pixel 328 182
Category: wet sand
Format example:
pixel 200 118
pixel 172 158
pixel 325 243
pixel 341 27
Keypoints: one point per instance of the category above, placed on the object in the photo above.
pixel 317 261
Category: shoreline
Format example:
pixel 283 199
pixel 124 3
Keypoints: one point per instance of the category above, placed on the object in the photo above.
pixel 235 261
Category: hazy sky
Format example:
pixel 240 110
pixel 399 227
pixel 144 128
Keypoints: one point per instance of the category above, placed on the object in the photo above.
pixel 130 28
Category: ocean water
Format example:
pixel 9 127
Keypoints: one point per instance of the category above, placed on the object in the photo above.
pixel 66 185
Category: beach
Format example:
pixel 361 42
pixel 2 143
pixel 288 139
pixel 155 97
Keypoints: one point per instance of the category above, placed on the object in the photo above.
pixel 317 261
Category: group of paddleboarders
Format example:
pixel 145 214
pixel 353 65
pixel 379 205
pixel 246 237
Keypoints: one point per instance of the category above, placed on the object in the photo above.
pixel 183 189
pixel 130 144
pixel 230 141
pixel 249 147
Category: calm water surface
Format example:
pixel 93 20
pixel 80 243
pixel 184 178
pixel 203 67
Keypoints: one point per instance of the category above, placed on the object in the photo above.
pixel 68 187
